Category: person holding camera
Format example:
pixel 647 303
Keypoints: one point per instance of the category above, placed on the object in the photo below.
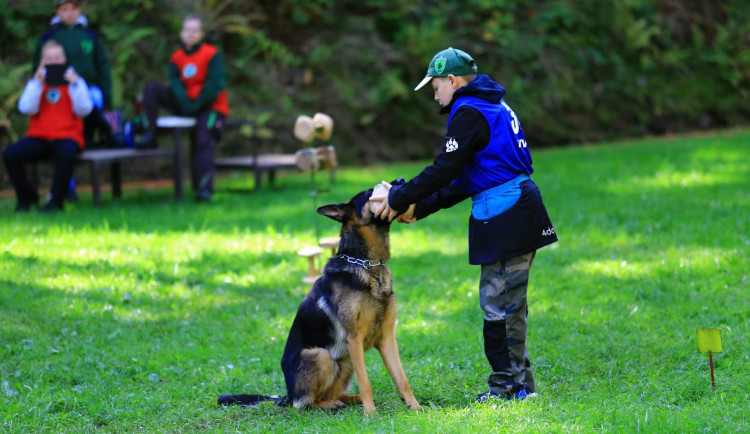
pixel 57 99
pixel 85 51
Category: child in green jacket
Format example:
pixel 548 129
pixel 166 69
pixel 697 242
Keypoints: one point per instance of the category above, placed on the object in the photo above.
pixel 86 54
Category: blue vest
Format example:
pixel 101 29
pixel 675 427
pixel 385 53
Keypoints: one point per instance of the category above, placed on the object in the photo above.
pixel 505 157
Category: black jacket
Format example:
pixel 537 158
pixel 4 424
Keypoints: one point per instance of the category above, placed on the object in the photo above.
pixel 433 189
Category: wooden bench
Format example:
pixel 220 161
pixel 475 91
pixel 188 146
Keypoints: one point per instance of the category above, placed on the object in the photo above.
pixel 97 159
pixel 259 164
pixel 310 159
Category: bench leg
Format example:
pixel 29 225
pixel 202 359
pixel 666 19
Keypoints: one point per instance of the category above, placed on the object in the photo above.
pixel 272 177
pixel 114 169
pixel 95 184
pixel 258 178
pixel 177 163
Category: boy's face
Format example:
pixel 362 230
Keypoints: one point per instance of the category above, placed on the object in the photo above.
pixel 53 56
pixel 192 32
pixel 69 13
pixel 444 88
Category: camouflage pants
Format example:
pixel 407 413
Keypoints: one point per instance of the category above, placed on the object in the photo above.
pixel 502 296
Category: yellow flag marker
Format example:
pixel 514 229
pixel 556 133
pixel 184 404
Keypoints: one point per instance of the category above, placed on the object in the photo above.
pixel 709 341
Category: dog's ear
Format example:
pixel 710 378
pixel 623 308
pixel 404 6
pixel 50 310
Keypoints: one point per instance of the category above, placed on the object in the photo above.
pixel 337 212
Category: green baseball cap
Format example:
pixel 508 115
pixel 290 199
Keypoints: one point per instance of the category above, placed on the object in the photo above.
pixel 449 61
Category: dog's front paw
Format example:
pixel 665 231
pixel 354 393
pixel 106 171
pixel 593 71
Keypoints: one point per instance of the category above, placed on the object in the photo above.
pixel 413 405
pixel 369 410
pixel 411 401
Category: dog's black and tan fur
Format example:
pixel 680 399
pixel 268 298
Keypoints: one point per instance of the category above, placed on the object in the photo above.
pixel 349 309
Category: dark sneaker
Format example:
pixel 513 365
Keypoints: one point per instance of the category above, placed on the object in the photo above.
pixel 489 395
pixel 51 208
pixel 203 196
pixel 25 206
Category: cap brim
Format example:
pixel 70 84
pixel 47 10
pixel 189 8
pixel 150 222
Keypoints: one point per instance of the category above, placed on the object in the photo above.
pixel 423 82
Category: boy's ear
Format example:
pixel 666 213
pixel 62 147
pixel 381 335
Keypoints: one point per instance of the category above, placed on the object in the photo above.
pixel 337 212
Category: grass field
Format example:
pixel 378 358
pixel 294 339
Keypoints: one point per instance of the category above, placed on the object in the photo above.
pixel 137 315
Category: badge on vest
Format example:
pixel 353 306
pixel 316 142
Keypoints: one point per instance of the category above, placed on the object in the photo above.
pixel 189 70
pixel 52 96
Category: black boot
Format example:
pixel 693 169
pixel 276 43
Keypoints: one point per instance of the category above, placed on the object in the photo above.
pixel 24 205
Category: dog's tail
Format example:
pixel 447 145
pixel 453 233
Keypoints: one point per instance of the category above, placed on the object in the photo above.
pixel 252 400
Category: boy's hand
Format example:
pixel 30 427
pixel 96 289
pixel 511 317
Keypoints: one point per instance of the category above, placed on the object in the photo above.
pixel 70 75
pixel 40 73
pixel 408 216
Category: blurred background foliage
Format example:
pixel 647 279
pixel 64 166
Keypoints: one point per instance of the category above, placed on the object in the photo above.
pixel 575 71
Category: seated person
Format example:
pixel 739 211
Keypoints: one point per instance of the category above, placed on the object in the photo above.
pixel 197 87
pixel 57 99
pixel 85 51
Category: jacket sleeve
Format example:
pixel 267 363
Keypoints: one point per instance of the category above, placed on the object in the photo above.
pixel 38 53
pixel 468 129
pixel 28 104
pixel 103 72
pixel 446 197
pixel 178 88
pixel 215 83
pixel 80 97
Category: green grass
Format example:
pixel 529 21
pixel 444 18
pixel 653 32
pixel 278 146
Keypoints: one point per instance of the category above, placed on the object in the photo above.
pixel 137 315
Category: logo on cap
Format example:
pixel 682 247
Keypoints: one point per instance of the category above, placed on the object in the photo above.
pixel 440 65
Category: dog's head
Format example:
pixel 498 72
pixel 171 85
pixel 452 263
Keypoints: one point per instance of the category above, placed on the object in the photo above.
pixel 362 235
pixel 356 211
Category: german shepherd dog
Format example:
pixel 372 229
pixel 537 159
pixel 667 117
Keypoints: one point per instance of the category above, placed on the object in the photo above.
pixel 349 309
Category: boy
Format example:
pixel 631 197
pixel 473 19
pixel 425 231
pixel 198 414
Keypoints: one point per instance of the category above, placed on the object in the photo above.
pixel 86 53
pixel 485 157
pixel 197 87
pixel 55 128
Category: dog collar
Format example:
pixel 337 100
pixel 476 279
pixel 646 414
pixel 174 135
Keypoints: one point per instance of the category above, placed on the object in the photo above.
pixel 365 263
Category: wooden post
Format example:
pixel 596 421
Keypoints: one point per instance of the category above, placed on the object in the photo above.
pixel 711 362
pixel 312 271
